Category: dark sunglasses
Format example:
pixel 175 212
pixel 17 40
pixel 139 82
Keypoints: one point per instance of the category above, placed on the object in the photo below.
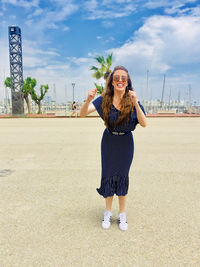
pixel 116 78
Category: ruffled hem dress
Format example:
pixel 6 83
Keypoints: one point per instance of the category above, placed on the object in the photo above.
pixel 117 150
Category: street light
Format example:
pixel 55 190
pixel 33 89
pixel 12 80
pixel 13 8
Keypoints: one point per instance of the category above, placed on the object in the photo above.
pixel 73 85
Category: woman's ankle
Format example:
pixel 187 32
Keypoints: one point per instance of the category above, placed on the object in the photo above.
pixel 122 211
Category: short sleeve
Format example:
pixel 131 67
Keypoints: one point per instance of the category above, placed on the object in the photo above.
pixel 97 103
pixel 142 108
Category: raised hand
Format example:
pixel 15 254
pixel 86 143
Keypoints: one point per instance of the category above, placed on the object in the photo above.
pixel 133 97
pixel 91 94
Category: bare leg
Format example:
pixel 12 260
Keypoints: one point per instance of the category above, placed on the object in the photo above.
pixel 109 203
pixel 122 203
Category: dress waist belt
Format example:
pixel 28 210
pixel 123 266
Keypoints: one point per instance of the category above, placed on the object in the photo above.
pixel 118 133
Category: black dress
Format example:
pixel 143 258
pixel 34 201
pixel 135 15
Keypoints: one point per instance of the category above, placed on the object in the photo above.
pixel 117 150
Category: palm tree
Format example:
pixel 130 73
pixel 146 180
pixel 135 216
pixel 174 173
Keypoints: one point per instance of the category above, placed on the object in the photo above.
pixel 103 71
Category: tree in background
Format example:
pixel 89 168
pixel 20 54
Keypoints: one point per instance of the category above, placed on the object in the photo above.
pixel 29 89
pixel 103 71
pixel 38 99
pixel 28 85
pixel 7 82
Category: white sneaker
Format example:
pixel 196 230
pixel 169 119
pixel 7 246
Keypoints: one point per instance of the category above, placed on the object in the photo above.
pixel 123 225
pixel 107 219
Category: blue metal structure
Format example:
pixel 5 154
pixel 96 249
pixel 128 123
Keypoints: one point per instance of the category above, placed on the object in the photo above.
pixel 16 70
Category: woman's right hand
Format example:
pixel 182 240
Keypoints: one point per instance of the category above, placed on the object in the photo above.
pixel 91 94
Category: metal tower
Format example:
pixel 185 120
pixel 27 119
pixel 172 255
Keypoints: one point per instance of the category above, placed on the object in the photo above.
pixel 16 70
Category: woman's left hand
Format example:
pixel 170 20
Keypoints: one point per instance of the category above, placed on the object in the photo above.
pixel 133 97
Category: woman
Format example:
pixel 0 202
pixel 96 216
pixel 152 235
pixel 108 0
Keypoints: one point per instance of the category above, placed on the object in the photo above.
pixel 121 111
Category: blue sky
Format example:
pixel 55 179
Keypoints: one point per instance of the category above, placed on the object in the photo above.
pixel 61 39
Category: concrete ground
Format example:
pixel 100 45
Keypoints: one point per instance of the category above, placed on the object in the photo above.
pixel 51 213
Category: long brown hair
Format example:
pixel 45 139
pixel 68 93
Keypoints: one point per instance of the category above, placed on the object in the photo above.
pixel 107 101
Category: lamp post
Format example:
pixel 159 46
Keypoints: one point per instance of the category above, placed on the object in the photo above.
pixel 73 85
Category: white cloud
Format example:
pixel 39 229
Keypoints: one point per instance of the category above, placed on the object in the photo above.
pixel 22 3
pixel 107 10
pixel 33 62
pixel 50 19
pixel 107 14
pixel 153 4
pixel 51 25
pixel 157 4
pixel 161 44
pixel 192 11
pixel 13 2
pixel 80 60
pixel 195 11
pixel 91 54
pixel 108 2
pixel 58 67
pixel 62 14
pixel 31 48
pixel 91 5
pixel 66 28
pixel 108 24
pixel 178 7
pixel 36 13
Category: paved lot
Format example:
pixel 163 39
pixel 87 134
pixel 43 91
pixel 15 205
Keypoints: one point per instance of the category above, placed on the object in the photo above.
pixel 50 212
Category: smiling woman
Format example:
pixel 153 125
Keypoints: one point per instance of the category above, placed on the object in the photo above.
pixel 121 82
pixel 121 111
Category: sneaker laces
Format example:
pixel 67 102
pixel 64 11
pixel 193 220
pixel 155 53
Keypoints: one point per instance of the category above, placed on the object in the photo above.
pixel 122 217
pixel 107 216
